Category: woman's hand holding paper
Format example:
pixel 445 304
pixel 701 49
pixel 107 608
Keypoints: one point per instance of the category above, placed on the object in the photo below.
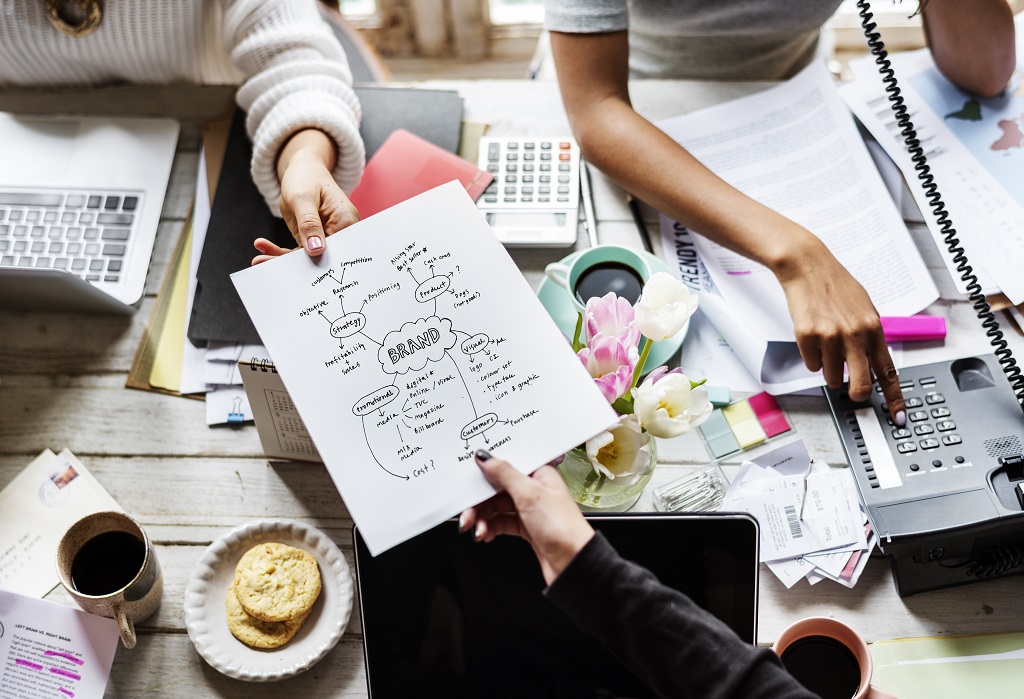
pixel 537 508
pixel 312 203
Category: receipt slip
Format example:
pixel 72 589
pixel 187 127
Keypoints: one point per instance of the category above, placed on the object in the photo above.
pixel 784 534
pixel 799 514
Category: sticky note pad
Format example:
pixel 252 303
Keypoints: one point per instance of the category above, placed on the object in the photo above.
pixel 718 435
pixel 769 414
pixel 718 396
pixel 744 424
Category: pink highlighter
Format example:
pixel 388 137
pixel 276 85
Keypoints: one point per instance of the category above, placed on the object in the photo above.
pixel 913 328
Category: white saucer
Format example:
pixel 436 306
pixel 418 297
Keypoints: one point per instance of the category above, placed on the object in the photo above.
pixel 206 620
pixel 560 307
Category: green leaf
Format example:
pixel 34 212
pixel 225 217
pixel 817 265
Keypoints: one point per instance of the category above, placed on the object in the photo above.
pixel 694 384
pixel 576 344
pixel 623 406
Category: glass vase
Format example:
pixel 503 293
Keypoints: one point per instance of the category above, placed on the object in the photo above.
pixel 594 491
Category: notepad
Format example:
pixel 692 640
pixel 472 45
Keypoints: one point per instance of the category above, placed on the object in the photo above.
pixel 407 165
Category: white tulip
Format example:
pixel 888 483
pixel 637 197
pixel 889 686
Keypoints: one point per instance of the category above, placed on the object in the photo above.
pixel 664 307
pixel 668 407
pixel 619 453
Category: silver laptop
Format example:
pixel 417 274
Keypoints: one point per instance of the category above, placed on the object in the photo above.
pixel 80 200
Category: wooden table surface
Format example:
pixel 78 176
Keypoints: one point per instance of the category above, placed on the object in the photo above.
pixel 62 383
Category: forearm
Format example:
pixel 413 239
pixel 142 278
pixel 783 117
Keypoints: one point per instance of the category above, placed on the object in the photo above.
pixel 662 173
pixel 593 77
pixel 307 143
pixel 972 42
pixel 677 648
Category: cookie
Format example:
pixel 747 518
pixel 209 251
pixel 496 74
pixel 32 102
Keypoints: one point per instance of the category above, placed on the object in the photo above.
pixel 255 632
pixel 275 582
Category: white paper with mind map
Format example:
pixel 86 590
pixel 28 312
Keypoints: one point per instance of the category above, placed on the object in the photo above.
pixel 410 344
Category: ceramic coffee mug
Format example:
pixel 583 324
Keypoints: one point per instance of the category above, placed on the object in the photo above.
pixel 829 658
pixel 107 564
pixel 613 259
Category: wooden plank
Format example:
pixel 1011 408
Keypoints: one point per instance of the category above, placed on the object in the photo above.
pixel 181 187
pixel 108 419
pixel 166 665
pixel 190 103
pixel 69 343
pixel 205 495
pixel 167 236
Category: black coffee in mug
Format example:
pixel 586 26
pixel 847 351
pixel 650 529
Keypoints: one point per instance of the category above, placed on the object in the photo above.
pixel 824 666
pixel 620 279
pixel 107 562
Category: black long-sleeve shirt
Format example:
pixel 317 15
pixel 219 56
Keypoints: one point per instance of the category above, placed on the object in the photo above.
pixel 677 648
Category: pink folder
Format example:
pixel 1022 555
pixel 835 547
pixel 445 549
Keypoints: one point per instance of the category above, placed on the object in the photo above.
pixel 406 165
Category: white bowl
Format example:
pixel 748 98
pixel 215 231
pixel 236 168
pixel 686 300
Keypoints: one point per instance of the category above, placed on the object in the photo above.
pixel 206 619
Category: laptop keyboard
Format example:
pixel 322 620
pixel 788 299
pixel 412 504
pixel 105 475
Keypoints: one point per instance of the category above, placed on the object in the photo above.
pixel 86 232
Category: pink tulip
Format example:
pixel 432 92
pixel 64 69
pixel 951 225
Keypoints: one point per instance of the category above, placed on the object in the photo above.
pixel 610 316
pixel 610 361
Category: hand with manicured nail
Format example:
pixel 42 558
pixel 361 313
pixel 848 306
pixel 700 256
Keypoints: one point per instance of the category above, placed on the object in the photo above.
pixel 537 508
pixel 312 203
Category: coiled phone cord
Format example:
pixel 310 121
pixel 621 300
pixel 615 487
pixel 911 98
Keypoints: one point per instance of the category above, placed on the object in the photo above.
pixel 924 174
pixel 997 559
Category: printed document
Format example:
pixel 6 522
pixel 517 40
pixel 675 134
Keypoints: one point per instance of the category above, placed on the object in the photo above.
pixel 975 148
pixel 411 343
pixel 795 149
pixel 51 650
pixel 36 508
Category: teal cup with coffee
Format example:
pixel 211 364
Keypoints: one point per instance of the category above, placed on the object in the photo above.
pixel 600 270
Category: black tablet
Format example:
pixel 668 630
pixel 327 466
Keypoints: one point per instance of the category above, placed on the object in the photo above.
pixel 444 616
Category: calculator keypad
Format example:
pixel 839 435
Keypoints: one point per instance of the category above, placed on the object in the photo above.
pixel 530 173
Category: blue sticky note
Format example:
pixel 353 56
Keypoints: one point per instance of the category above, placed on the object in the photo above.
pixel 718 395
pixel 718 435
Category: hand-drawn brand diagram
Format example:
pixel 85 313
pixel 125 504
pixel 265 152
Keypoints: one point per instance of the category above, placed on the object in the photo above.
pixel 437 381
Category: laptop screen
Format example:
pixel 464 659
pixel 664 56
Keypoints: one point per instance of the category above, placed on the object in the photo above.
pixel 444 616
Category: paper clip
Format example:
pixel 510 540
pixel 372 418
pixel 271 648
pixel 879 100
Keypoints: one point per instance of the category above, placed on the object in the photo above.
pixel 236 415
pixel 700 491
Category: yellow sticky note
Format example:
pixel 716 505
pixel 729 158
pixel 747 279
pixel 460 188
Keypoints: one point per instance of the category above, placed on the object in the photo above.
pixel 169 355
pixel 744 424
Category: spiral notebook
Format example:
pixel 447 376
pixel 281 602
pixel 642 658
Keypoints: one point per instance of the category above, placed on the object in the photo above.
pixel 282 432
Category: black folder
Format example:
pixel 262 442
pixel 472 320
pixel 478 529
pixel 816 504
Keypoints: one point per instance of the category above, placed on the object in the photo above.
pixel 239 215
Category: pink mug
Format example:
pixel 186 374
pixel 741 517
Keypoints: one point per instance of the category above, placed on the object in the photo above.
pixel 828 657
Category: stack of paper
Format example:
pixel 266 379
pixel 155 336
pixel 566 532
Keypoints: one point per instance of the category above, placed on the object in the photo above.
pixel 812 525
pixel 985 666
pixel 795 149
pixel 975 147
pixel 167 361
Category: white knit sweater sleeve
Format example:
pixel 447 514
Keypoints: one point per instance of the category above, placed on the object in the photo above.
pixel 297 77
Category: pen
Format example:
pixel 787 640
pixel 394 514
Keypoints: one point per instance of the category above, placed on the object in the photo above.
pixel 588 203
pixel 913 328
pixel 634 208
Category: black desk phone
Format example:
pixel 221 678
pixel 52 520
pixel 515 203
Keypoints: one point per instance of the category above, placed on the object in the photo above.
pixel 945 493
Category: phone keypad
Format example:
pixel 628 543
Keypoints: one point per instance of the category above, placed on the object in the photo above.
pixel 927 428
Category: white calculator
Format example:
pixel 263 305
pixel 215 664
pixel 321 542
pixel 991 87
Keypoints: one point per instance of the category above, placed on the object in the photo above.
pixel 534 198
